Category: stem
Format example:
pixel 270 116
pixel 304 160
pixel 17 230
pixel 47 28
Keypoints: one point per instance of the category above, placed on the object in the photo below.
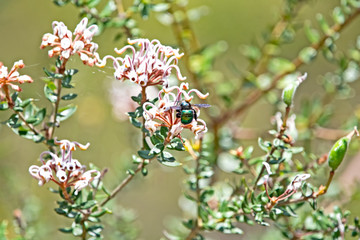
pixel 58 82
pixel 178 28
pixel 257 94
pixel 122 184
pixel 143 100
pixel 22 118
pixel 65 193
pixel 322 190
pixel 273 148
pixel 196 228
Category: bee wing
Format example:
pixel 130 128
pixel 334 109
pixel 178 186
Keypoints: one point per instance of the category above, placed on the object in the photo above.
pixel 202 105
pixel 175 107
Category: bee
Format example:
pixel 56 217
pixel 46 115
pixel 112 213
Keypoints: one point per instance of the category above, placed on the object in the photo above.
pixel 186 112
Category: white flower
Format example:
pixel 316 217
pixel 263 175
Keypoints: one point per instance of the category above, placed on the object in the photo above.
pixel 149 66
pixel 166 112
pixel 297 181
pixel 64 46
pixel 67 170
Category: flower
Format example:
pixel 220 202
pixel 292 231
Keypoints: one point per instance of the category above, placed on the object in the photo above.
pixel 64 45
pixel 63 170
pixel 296 182
pixel 165 113
pixel 151 65
pixel 8 79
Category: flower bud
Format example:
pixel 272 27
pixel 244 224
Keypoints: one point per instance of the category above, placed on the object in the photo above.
pixel 61 175
pixel 338 151
pixel 289 91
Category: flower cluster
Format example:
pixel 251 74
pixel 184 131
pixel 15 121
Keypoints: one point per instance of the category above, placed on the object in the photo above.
pixel 64 45
pixel 64 170
pixel 167 109
pixel 151 65
pixel 8 79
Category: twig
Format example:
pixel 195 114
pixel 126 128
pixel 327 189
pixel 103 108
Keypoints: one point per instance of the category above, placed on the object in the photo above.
pixel 196 228
pixel 122 184
pixel 58 82
pixel 273 148
pixel 297 62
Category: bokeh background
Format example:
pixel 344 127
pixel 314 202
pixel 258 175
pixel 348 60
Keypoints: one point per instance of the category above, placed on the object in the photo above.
pixel 154 200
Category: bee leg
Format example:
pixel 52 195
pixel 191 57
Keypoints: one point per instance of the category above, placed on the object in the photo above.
pixel 178 114
pixel 195 115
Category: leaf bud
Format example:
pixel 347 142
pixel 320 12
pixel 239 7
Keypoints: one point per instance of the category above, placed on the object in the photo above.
pixel 338 151
pixel 289 91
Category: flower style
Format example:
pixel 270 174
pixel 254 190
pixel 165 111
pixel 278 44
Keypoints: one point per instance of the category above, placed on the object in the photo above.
pixel 151 65
pixel 165 112
pixel 64 170
pixel 64 46
pixel 7 79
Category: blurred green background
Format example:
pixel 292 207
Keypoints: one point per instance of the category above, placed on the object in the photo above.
pixel 155 199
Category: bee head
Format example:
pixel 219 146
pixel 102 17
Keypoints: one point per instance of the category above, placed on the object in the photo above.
pixel 185 105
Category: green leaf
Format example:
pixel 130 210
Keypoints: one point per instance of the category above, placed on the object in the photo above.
pixel 176 144
pixel 307 54
pixel 145 154
pixel 280 65
pixel 264 145
pixel 77 230
pixel 95 230
pixel 160 7
pixel 135 122
pixel 26 102
pixel 66 82
pixel 31 120
pixel 69 96
pixel 206 195
pixel 248 152
pixel 49 73
pixel 324 25
pixel 49 92
pixel 88 204
pixel 312 35
pixel 65 112
pixel 167 159
pixel 100 213
pixel 4 105
pixel 109 8
pixel 253 53
pixel 3 232
pixel 158 148
pixel 354 3
pixel 40 115
pixel 66 230
pixel 71 72
pixel 137 98
pixel 338 15
pixel 13 121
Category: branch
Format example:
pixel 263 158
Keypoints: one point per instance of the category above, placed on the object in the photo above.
pixel 197 227
pixel 257 94
pixel 273 148
pixel 58 82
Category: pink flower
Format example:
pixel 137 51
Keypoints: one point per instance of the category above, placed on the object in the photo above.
pixel 149 66
pixel 9 79
pixel 64 45
pixel 63 170
pixel 164 113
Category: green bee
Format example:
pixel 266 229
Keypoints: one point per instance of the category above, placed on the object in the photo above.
pixel 186 112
